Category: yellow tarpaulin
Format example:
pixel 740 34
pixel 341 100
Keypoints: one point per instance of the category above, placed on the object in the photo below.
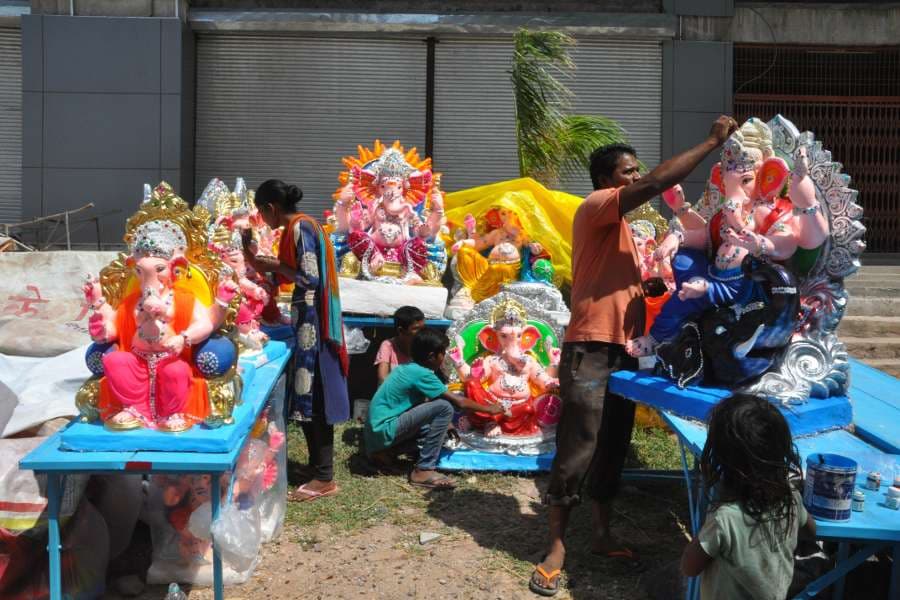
pixel 546 215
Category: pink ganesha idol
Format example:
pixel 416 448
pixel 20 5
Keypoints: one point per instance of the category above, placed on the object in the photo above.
pixel 509 375
pixel 159 308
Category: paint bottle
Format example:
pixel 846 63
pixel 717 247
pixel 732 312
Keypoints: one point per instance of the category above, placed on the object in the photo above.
pixel 873 481
pixel 859 501
pixel 893 498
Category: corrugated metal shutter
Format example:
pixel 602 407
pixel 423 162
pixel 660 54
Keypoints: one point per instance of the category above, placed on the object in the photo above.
pixel 622 80
pixel 10 125
pixel 474 113
pixel 290 107
pixel 474 130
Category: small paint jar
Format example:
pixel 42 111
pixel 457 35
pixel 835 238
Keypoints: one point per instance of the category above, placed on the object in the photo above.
pixel 893 498
pixel 873 481
pixel 859 501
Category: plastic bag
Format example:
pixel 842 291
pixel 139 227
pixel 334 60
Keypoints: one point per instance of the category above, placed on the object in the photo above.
pixel 236 534
pixel 356 341
pixel 179 509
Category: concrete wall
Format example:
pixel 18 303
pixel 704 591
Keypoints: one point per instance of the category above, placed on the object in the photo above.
pixel 823 23
pixel 697 84
pixel 108 106
pixel 438 6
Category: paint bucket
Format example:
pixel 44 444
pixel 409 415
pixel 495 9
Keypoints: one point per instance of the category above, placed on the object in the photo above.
pixel 828 491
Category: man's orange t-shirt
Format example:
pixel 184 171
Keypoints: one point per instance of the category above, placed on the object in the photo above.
pixel 607 300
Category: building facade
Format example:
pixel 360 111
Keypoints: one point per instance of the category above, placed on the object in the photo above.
pixel 116 94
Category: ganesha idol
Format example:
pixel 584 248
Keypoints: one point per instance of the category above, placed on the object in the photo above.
pixel 506 352
pixel 232 216
pixel 387 218
pixel 494 251
pixel 759 266
pixel 159 359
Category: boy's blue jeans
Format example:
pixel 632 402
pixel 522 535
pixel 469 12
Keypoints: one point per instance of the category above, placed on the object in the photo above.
pixel 427 422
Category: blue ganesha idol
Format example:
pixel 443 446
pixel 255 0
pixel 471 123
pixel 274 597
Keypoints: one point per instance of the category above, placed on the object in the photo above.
pixel 759 266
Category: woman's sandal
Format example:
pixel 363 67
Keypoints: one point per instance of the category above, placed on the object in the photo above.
pixel 552 579
pixel 305 494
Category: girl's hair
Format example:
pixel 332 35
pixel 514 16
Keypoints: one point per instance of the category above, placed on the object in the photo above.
pixel 427 343
pixel 407 316
pixel 749 451
pixel 277 192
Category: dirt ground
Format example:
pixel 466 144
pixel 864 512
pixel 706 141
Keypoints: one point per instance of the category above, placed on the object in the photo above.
pixel 488 542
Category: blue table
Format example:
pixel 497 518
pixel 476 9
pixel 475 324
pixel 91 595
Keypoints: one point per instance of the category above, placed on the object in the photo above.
pixel 56 463
pixel 364 321
pixel 877 528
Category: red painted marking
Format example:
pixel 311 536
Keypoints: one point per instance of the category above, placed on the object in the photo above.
pixel 138 465
pixel 25 303
pixel 22 506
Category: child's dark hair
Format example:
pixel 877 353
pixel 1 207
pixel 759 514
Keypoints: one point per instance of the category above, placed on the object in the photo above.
pixel 429 342
pixel 279 193
pixel 407 316
pixel 604 160
pixel 750 453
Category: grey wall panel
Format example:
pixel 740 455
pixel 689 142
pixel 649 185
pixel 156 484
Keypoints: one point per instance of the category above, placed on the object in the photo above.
pixel 101 130
pixel 10 125
pixel 32 33
pixel 170 131
pixel 99 54
pixel 474 113
pixel 32 185
pixel 32 128
pixel 290 107
pixel 172 51
pixel 116 194
pixel 701 71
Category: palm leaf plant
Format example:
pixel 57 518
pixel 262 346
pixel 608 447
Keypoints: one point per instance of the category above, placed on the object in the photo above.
pixel 552 143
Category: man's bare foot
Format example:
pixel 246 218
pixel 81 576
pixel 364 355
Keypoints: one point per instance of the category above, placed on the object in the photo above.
pixel 492 430
pixel 429 478
pixel 545 579
pixel 695 288
pixel 640 346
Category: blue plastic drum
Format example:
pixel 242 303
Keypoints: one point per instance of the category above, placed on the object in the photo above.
pixel 828 490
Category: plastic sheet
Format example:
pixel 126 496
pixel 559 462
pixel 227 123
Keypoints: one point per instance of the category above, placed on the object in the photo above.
pixel 179 510
pixel 356 341
pixel 24 564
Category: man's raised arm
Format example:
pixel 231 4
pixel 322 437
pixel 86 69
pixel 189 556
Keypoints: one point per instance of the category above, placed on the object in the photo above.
pixel 675 169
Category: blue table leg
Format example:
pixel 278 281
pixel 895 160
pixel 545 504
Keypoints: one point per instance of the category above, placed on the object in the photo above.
pixel 54 492
pixel 895 574
pixel 843 553
pixel 218 587
pixel 693 583
pixel 836 576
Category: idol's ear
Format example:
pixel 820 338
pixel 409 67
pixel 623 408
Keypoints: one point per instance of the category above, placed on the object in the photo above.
pixel 489 339
pixel 715 177
pixel 772 176
pixel 130 262
pixel 530 337
pixel 177 263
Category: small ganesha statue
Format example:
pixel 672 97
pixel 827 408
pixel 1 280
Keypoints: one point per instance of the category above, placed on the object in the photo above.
pixel 157 359
pixel 388 215
pixel 510 360
pixel 496 253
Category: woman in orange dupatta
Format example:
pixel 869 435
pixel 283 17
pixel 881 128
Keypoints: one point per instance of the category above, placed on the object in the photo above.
pixel 316 394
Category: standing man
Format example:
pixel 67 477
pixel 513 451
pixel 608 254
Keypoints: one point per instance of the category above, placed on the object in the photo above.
pixel 594 429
